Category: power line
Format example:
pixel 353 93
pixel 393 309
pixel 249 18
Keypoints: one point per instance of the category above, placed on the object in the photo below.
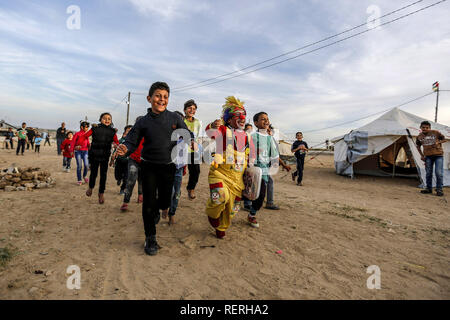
pixel 317 49
pixel 298 49
pixel 117 104
pixel 371 115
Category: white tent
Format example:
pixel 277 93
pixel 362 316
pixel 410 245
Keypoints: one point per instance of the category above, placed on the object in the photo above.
pixel 386 147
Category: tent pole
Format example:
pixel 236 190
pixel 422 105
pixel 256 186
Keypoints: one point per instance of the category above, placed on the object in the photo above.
pixel 395 159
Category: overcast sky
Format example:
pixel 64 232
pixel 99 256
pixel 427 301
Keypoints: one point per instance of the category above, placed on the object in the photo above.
pixel 50 73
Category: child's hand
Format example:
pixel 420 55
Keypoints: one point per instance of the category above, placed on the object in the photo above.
pixel 287 167
pixel 216 124
pixel 122 150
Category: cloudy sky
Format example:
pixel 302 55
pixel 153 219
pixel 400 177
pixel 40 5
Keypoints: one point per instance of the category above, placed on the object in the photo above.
pixel 50 73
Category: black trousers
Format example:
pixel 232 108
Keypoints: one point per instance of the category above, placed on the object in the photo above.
pixel 194 171
pixel 300 166
pixel 257 204
pixel 47 140
pixel 94 172
pixel 32 145
pixel 37 148
pixel 157 183
pixel 20 145
pixel 121 172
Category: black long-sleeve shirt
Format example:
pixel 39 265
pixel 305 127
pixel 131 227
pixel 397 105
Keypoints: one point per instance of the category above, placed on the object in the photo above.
pixel 157 131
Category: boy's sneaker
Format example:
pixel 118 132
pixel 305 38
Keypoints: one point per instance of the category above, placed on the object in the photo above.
pixel 140 198
pixel 67 170
pixel 63 168
pixel 122 192
pixel 439 193
pixel 252 221
pixel 80 183
pixel 151 246
pixel 124 207
pixel 426 191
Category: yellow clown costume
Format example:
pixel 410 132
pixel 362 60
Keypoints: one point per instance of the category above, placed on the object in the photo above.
pixel 226 172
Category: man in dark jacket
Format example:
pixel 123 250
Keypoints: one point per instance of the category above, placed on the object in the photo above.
pixel 60 136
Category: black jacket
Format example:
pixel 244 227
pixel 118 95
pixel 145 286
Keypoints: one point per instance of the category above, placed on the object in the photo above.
pixel 102 138
pixel 157 131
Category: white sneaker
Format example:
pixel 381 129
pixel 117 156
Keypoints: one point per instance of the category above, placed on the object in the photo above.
pixel 64 169
pixel 67 170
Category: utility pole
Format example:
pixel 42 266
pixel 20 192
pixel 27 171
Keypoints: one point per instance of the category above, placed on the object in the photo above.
pixel 436 88
pixel 128 106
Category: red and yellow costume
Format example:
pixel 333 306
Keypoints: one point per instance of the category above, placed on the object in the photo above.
pixel 226 172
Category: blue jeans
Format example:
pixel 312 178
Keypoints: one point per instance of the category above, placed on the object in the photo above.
pixel 82 157
pixel 438 162
pixel 176 191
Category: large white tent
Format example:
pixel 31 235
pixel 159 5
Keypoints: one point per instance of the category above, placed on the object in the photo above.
pixel 386 147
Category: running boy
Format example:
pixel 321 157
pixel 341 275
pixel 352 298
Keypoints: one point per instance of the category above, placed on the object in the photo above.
pixel 300 148
pixel 194 125
pixel 267 158
pixel 67 155
pixel 432 155
pixel 158 170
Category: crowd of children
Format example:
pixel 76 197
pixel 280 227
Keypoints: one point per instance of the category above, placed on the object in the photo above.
pixel 162 146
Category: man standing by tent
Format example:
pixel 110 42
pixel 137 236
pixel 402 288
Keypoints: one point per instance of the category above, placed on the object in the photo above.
pixel 432 155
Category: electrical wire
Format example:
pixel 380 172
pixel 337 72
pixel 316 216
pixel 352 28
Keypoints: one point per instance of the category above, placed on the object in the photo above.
pixel 314 50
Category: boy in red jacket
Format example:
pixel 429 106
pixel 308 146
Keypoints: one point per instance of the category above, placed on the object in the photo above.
pixel 67 155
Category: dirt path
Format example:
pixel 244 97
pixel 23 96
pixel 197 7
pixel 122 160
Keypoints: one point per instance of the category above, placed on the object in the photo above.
pixel 330 230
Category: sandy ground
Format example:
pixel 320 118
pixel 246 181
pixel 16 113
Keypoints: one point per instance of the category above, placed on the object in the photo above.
pixel 329 230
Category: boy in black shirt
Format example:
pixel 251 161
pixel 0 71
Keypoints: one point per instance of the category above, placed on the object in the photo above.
pixel 158 169
pixel 300 148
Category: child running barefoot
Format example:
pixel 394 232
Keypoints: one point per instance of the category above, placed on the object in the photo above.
pixel 80 144
pixel 65 147
pixel 230 160
pixel 103 135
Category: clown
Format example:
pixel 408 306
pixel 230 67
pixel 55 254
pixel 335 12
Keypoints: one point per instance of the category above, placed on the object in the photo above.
pixel 228 166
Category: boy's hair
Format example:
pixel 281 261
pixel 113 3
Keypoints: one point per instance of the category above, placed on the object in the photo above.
pixel 127 127
pixel 425 123
pixel 158 85
pixel 104 114
pixel 84 124
pixel 189 103
pixel 180 114
pixel 298 133
pixel 70 132
pixel 248 125
pixel 256 116
pixel 24 123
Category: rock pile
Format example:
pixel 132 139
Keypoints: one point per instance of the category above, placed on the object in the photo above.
pixel 25 179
